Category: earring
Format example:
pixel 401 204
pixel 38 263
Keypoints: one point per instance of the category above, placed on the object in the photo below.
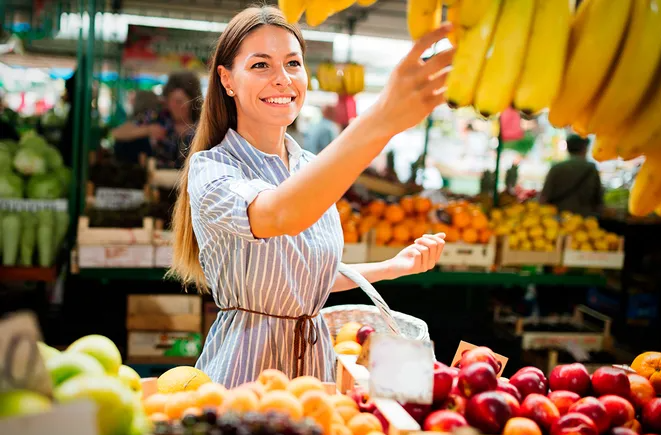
pixel 230 92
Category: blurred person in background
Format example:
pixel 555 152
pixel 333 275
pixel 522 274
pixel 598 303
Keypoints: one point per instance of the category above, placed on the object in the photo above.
pixel 171 130
pixel 146 108
pixel 574 185
pixel 322 133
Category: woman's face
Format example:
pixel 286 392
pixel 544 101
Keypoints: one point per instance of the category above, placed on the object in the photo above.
pixel 268 77
pixel 178 104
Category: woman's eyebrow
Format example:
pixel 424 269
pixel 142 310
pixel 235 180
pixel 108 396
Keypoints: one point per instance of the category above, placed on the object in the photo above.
pixel 268 56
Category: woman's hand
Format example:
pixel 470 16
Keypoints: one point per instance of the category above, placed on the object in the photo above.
pixel 156 132
pixel 415 87
pixel 419 257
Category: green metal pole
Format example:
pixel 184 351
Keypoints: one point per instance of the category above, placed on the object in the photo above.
pixel 499 152
pixel 87 119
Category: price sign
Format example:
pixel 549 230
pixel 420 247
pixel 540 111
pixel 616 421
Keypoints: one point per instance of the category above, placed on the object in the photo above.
pixel 21 366
pixel 465 347
pixel 107 198
pixel 401 369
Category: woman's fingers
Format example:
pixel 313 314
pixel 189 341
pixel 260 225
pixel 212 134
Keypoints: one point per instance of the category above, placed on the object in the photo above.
pixel 427 41
pixel 424 252
pixel 433 249
pixel 436 63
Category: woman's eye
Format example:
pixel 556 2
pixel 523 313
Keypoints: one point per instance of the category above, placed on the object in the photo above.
pixel 260 65
pixel 294 63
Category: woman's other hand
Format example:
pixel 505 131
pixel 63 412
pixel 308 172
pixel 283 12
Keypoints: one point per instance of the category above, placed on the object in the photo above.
pixel 156 132
pixel 415 87
pixel 419 257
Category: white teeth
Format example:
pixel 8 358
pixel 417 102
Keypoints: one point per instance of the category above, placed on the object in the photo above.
pixel 279 100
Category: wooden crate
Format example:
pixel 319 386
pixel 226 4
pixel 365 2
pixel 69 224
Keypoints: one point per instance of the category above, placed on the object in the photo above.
pixel 113 256
pixel 594 259
pixel 115 236
pixel 469 255
pixel 162 177
pixel 178 313
pixel 353 253
pixel 509 257
pixel 162 236
pixel 90 197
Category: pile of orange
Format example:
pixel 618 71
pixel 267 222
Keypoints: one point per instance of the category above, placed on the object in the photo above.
pixel 468 224
pixel 302 397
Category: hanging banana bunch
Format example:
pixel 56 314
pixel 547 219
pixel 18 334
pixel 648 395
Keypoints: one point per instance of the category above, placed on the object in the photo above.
pixel 316 11
pixel 353 78
pixel 330 79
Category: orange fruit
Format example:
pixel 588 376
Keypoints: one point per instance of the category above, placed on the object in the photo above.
pixel 158 416
pixel 376 207
pixel 376 432
pixel 177 403
pixel 401 233
pixel 648 365
pixel 155 403
pixel 210 395
pixel 479 220
pixel 348 348
pixel 340 429
pixel 302 384
pixel 642 390
pixel 461 220
pixel 192 411
pixel 439 228
pixel 469 235
pixel 364 423
pixel 281 401
pixel 273 379
pixel 366 224
pixel 422 205
pixel 419 230
pixel 337 418
pixel 350 236
pixel 340 400
pixel 255 387
pixel 348 332
pixel 318 407
pixel 240 400
pixel 182 378
pixel 406 203
pixel 452 235
pixel 484 235
pixel 394 214
pixel 347 412
pixel 383 232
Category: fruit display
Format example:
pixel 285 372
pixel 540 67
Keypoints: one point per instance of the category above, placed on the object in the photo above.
pixel 189 402
pixel 568 401
pixel 350 338
pixel 343 79
pixel 528 227
pixel 463 222
pixel 586 235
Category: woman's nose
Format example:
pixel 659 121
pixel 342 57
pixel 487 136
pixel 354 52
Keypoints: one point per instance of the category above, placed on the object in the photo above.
pixel 281 78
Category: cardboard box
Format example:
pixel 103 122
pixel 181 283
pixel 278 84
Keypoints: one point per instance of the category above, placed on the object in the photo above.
pixel 176 313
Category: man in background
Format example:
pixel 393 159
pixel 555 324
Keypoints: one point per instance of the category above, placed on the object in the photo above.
pixel 319 135
pixel 574 184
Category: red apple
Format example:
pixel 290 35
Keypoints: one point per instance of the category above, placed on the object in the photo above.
pixel 541 410
pixel 574 424
pixel 455 385
pixel 444 421
pixel 443 379
pixel 382 418
pixel 609 380
pixel 362 398
pixel 642 390
pixel 621 431
pixel 514 404
pixel 507 387
pixel 563 400
pixel 488 411
pixel 521 426
pixel 539 373
pixel 529 382
pixel 480 354
pixel 594 409
pixel 455 402
pixel 651 415
pixel 417 411
pixel 634 425
pixel 363 333
pixel 619 409
pixel 570 377
pixel 476 378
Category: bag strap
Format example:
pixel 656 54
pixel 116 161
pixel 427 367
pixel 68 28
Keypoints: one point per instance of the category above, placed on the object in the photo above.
pixel 369 289
pixel 573 188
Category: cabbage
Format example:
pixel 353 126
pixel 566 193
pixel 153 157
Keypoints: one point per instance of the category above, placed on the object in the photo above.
pixel 30 161
pixel 44 186
pixel 8 145
pixel 53 157
pixel 64 175
pixel 32 140
pixel 5 160
pixel 11 185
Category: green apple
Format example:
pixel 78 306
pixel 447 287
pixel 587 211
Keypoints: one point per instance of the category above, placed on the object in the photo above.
pixel 114 401
pixel 47 352
pixel 101 348
pixel 130 378
pixel 141 424
pixel 66 365
pixel 22 402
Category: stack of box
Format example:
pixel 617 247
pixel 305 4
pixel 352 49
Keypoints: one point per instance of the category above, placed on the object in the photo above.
pixel 163 327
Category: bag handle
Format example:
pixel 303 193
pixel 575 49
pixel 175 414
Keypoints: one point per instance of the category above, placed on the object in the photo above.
pixel 369 289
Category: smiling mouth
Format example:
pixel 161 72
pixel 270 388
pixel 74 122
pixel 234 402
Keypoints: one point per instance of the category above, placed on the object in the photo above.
pixel 279 101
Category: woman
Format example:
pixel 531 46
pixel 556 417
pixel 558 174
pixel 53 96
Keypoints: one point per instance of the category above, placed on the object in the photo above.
pixel 171 130
pixel 255 221
pixel 146 105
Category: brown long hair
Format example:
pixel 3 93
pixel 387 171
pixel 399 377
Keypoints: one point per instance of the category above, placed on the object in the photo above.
pixel 218 115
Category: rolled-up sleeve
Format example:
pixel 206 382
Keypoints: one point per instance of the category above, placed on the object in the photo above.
pixel 221 193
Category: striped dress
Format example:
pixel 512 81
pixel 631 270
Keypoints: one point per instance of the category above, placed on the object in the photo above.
pixel 282 276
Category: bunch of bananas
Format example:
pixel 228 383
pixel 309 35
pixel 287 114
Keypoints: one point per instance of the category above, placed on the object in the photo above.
pixel 347 79
pixel 316 11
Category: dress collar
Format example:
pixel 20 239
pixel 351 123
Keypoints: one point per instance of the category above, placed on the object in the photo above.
pixel 242 147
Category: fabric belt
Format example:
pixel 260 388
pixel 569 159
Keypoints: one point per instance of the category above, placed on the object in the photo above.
pixel 305 332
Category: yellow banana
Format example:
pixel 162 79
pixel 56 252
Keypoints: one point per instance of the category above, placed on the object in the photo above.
pixel 596 50
pixel 645 195
pixel 340 5
pixel 422 16
pixel 455 35
pixel 640 128
pixel 546 55
pixel 366 3
pixel 604 149
pixel 292 9
pixel 317 12
pixel 635 69
pixel 471 11
pixel 349 79
pixel 582 120
pixel 469 59
pixel 505 60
